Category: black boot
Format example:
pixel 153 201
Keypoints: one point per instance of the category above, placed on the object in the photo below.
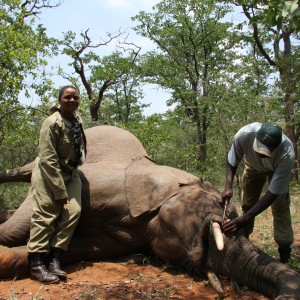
pixel 54 263
pixel 284 253
pixel 38 270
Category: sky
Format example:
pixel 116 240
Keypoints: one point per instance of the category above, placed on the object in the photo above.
pixel 102 17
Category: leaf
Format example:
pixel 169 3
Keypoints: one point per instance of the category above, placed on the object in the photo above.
pixel 285 12
pixel 294 6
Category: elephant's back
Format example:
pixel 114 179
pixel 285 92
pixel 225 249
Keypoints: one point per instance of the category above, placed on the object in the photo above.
pixel 109 143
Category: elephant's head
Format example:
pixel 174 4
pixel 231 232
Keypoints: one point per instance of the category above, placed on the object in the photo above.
pixel 185 223
pixel 183 234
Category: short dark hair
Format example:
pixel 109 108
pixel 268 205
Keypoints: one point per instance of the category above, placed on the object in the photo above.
pixel 64 88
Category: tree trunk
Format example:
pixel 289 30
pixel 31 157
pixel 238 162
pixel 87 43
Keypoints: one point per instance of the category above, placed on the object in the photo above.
pixel 285 77
pixel 290 130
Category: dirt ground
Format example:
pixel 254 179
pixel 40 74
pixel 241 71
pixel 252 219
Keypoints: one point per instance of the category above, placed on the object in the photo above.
pixel 129 278
pixel 117 280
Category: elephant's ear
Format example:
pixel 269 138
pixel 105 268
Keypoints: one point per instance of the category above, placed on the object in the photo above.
pixel 149 185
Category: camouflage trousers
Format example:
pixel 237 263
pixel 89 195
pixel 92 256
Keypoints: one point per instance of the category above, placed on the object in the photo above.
pixel 53 224
pixel 253 183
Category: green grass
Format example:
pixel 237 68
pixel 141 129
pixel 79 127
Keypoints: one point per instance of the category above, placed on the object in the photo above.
pixel 12 194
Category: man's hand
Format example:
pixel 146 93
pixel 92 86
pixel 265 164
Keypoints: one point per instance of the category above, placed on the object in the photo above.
pixel 233 226
pixel 228 191
pixel 227 195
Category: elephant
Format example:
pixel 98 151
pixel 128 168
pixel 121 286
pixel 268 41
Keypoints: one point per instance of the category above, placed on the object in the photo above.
pixel 131 204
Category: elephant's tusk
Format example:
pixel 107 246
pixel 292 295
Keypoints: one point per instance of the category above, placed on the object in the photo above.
pixel 216 229
pixel 215 283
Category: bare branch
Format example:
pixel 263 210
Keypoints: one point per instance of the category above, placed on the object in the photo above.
pixel 21 108
pixel 34 7
pixel 257 40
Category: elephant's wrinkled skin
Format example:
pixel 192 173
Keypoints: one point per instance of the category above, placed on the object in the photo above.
pixel 131 204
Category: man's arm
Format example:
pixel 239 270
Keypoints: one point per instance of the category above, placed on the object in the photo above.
pixel 228 191
pixel 232 226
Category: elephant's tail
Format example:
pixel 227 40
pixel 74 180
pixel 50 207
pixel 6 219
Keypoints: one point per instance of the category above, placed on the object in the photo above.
pixel 22 174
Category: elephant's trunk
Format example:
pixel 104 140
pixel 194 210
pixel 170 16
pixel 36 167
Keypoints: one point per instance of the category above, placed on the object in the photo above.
pixel 246 264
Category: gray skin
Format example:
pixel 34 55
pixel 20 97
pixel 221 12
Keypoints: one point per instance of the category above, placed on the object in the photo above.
pixel 131 204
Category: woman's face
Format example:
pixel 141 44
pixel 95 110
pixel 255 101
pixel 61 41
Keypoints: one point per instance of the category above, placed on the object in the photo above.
pixel 69 100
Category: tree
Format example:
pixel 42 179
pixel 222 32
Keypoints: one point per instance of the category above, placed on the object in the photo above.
pixel 22 46
pixel 276 13
pixel 195 48
pixel 101 74
pixel 281 55
pixel 122 98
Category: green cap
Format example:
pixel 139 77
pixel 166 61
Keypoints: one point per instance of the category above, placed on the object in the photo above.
pixel 268 137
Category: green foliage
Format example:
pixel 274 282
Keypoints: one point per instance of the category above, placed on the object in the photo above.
pixel 116 76
pixel 153 134
pixel 165 140
pixel 23 47
pixel 276 13
pixel 19 137
pixel 278 22
pixel 193 44
pixel 201 62
pixel 12 195
pixel 169 139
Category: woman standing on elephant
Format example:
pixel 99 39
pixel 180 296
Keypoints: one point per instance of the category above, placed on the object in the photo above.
pixel 56 187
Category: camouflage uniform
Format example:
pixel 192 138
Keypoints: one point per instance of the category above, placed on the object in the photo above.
pixel 54 178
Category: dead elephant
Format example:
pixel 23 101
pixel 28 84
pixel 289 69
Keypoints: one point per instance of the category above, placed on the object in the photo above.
pixel 131 204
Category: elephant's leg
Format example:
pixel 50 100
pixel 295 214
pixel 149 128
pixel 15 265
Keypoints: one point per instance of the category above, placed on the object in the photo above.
pixel 13 262
pixel 15 231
